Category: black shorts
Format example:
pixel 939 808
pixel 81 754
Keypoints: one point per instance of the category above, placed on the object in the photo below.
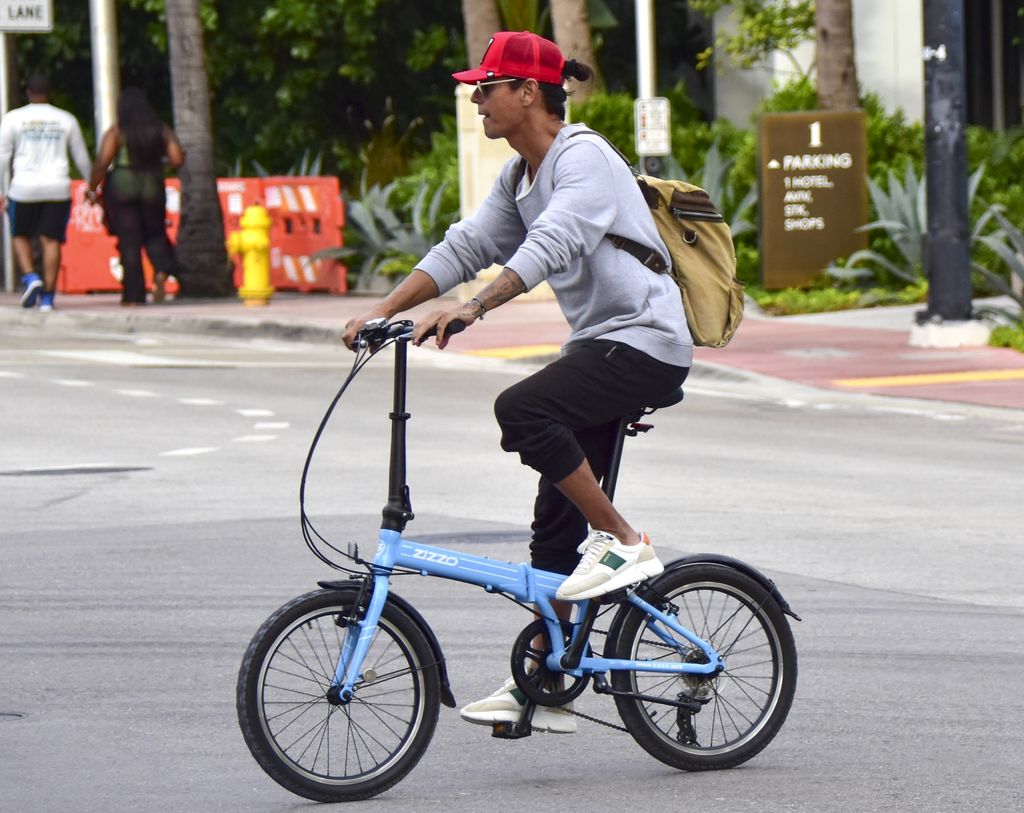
pixel 47 218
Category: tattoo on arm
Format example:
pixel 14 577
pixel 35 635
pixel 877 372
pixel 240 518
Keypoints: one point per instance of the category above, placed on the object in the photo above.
pixel 507 286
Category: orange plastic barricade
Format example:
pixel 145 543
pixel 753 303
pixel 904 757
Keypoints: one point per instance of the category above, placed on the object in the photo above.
pixel 307 215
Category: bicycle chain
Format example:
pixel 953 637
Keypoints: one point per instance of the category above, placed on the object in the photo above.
pixel 605 723
pixel 599 722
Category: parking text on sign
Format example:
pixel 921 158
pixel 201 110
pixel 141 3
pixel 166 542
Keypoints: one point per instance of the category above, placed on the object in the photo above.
pixel 813 192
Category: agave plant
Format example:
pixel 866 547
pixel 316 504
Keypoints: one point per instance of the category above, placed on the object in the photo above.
pixel 1008 243
pixel 307 166
pixel 902 213
pixel 390 239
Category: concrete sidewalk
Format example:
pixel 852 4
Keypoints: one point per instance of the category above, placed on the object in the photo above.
pixel 853 351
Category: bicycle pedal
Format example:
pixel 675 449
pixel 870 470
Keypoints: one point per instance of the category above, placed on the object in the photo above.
pixel 511 731
pixel 616 596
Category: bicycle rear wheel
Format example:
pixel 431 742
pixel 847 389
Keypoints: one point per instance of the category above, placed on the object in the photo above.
pixel 742 708
pixel 323 750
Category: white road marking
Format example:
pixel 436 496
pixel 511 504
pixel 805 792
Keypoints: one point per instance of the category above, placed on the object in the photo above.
pixel 9 374
pixel 255 413
pixel 200 402
pixel 254 438
pixel 126 358
pixel 190 451
pixel 271 425
pixel 137 393
pixel 793 403
pixel 72 382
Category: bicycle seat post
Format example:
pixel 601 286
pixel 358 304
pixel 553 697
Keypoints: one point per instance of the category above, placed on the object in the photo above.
pixel 628 425
pixel 398 510
pixel 611 476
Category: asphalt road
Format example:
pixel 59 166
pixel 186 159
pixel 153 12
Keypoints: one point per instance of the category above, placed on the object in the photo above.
pixel 148 492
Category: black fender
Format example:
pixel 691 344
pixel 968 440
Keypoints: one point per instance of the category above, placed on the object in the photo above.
pixel 354 585
pixel 735 564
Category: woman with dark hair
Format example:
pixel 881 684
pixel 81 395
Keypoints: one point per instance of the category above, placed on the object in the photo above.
pixel 550 217
pixel 130 165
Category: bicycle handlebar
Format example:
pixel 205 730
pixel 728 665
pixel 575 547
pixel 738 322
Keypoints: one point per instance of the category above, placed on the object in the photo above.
pixel 378 331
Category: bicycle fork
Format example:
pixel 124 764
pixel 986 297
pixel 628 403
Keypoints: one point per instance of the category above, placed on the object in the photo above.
pixel 360 629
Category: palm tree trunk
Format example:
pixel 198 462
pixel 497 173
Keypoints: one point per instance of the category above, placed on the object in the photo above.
pixel 481 20
pixel 571 24
pixel 837 69
pixel 205 270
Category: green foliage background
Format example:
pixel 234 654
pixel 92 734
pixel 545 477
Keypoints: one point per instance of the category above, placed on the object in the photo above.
pixel 363 88
pixel 286 76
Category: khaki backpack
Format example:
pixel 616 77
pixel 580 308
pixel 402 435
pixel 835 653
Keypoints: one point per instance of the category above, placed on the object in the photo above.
pixel 703 258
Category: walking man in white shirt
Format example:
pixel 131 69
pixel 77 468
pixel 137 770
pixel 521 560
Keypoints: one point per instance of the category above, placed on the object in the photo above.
pixel 37 198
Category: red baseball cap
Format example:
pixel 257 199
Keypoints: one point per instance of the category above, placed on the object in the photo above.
pixel 518 54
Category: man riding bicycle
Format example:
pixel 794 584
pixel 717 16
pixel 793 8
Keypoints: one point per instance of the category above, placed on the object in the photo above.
pixel 547 219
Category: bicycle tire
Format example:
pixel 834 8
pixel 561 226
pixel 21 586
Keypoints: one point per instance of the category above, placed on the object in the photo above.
pixel 289 724
pixel 744 707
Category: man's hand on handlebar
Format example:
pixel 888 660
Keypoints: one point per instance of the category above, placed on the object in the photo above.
pixel 440 324
pixel 374 333
pixel 355 325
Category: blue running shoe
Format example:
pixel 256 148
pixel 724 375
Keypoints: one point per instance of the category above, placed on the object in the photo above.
pixel 46 301
pixel 31 285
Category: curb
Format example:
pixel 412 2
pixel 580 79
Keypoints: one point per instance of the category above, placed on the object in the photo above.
pixel 190 325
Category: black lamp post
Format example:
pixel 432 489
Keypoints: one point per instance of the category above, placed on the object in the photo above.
pixel 946 243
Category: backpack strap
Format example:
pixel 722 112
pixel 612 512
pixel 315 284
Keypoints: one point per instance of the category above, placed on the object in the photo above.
pixel 645 254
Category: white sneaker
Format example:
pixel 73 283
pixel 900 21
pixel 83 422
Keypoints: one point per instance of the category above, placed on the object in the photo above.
pixel 608 565
pixel 506 705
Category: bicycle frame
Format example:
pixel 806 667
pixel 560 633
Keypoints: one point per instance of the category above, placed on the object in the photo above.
pixel 520 581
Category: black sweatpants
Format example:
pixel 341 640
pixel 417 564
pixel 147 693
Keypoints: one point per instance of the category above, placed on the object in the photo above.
pixel 134 211
pixel 568 412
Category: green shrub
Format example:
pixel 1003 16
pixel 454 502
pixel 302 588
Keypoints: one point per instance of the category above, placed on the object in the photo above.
pixel 748 260
pixel 436 168
pixel 798 94
pixel 1003 156
pixel 791 301
pixel 892 140
pixel 1008 336
pixel 611 114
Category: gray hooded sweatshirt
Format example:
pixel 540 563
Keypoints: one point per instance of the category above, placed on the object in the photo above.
pixel 554 229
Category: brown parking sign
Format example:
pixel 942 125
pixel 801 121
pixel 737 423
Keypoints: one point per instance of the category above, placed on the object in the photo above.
pixel 813 181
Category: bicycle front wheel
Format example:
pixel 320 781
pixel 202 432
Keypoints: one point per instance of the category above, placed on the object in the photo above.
pixel 742 708
pixel 316 747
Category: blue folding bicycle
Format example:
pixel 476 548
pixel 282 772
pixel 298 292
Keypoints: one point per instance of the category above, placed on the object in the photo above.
pixel 339 690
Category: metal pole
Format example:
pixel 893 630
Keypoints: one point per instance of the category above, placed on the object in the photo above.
pixel 5 105
pixel 645 49
pixel 646 87
pixel 946 244
pixel 105 82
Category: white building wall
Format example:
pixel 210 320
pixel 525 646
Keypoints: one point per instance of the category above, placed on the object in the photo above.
pixel 888 43
pixel 888 36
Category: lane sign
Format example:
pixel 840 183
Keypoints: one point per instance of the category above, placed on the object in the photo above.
pixel 25 16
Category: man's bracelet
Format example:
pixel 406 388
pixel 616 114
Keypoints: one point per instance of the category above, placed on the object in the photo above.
pixel 479 304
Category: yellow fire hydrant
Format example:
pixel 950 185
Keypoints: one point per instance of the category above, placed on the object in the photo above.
pixel 252 241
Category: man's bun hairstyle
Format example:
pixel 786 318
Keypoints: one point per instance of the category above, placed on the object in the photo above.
pixel 577 70
pixel 555 95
